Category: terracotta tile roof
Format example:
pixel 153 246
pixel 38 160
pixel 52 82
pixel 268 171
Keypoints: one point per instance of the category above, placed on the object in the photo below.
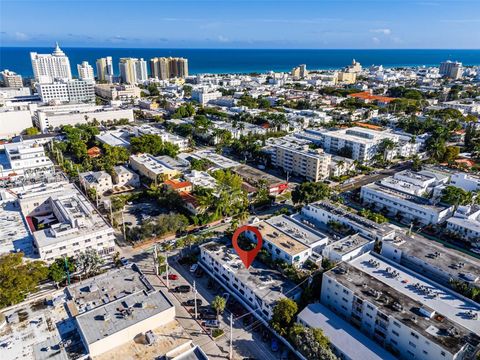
pixel 365 95
pixel 176 185
pixel 368 126
pixel 189 198
pixel 94 152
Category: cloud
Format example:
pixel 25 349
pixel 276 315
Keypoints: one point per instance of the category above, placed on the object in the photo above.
pixel 222 38
pixel 381 31
pixel 376 40
pixel 20 36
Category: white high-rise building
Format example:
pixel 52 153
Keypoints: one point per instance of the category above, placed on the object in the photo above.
pixel 133 70
pixel 48 67
pixel 85 71
pixel 11 79
pixel 74 91
pixel 451 69
pixel 105 69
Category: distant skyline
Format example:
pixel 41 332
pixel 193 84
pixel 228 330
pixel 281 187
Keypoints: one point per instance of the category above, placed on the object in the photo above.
pixel 267 24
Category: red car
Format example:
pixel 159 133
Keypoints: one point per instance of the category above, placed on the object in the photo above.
pixel 171 277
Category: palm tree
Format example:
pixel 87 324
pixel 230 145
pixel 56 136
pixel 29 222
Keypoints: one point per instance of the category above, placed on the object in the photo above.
pixel 218 304
pixel 385 146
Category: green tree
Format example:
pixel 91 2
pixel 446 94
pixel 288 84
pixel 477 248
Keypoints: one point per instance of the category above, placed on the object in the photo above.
pixel 308 192
pixel 57 271
pixel 456 196
pixel 283 315
pixel 311 342
pixel 218 304
pixel 89 262
pixel 451 153
pixel 153 144
pixel 31 131
pixel 19 278
pixel 416 163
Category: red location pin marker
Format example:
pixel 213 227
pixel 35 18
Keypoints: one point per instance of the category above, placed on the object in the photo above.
pixel 247 257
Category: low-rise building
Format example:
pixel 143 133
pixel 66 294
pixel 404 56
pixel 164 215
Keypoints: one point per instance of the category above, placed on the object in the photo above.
pixel 53 117
pixel 259 288
pixel 100 181
pixel 181 142
pixel 113 308
pixel 123 176
pixel 64 222
pixel 325 212
pixel 25 159
pixel 118 92
pixel 153 167
pixel 465 223
pixel 13 121
pixel 346 341
pixel 201 179
pixel 217 160
pixel 204 95
pixel 434 261
pixel 408 315
pixel 400 199
pixel 348 248
pixel 259 178
pixel 465 181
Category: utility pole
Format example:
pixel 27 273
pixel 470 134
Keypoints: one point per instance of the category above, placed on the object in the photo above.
pixel 195 298
pixel 155 258
pixel 231 337
pixel 166 262
pixel 123 225
pixel 66 269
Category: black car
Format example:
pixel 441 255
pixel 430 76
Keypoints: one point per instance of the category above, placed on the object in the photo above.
pixel 182 289
pixel 191 302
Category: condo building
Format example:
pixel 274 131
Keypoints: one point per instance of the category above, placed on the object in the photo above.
pixel 165 68
pixel 363 143
pixel 465 223
pixel 451 69
pixel 105 69
pixel 11 79
pixel 64 223
pixel 133 70
pixel 50 67
pixel 410 316
pixel 308 163
pixel 85 71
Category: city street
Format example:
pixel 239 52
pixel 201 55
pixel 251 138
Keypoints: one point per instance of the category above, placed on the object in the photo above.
pixel 247 339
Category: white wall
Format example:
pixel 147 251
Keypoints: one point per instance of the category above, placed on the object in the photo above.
pixel 12 123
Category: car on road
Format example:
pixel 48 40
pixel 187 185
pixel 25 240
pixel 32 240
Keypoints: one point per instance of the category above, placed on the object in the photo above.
pixel 191 302
pixel 124 261
pixel 193 268
pixel 182 289
pixel 211 323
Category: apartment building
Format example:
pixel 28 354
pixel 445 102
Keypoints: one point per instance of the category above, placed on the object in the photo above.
pixel 362 143
pixel 348 248
pixel 204 95
pixel 100 181
pixel 153 167
pixel 123 176
pixel 403 196
pixel 434 261
pixel 73 91
pixel 25 159
pixel 54 117
pixel 11 79
pixel 465 181
pixel 410 316
pixel 70 224
pixel 324 212
pixel 311 164
pixel 105 69
pixel 133 70
pixel 118 92
pixel 465 223
pixel 181 142
pixel 50 67
pixel 85 71
pixel 165 68
pixel 258 288
pixel 451 69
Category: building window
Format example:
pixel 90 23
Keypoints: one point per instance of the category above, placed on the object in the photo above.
pixel 395 333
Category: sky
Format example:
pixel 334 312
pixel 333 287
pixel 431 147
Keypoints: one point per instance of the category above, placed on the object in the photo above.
pixel 316 24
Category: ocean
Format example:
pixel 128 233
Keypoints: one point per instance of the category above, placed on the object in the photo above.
pixel 245 60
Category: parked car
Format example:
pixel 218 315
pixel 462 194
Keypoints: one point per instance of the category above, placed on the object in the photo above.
pixel 172 277
pixel 193 268
pixel 191 302
pixel 182 289
pixel 124 261
pixel 211 323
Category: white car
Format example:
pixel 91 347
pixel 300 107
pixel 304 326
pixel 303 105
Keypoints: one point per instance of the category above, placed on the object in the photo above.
pixel 193 268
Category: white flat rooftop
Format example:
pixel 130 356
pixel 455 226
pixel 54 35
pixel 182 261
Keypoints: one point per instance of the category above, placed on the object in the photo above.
pixel 348 339
pixel 447 303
